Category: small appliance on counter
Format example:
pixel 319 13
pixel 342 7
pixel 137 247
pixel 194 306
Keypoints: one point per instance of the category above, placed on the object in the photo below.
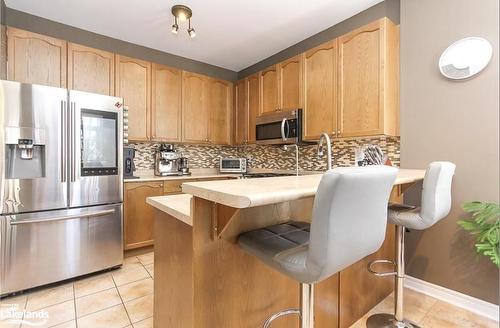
pixel 128 163
pixel 184 166
pixel 168 161
pixel 232 165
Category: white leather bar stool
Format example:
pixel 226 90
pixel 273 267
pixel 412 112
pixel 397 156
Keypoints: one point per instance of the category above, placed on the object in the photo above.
pixel 349 219
pixel 436 204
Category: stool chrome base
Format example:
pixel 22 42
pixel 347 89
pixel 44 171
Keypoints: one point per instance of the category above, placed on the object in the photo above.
pixel 385 320
pixel 306 311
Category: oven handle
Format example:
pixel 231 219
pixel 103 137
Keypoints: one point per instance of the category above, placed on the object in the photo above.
pixel 283 135
pixel 64 217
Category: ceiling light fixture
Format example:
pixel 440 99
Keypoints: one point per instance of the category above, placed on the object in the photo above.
pixel 182 13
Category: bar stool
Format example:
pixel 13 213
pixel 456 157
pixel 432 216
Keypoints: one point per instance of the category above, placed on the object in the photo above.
pixel 349 219
pixel 436 204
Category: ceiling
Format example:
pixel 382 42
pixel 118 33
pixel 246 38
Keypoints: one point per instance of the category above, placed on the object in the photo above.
pixel 232 34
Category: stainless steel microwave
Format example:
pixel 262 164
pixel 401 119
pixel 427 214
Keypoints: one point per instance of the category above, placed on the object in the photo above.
pixel 279 128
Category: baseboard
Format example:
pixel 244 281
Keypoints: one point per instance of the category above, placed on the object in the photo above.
pixel 485 309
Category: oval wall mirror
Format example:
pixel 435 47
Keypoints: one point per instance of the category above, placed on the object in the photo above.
pixel 465 58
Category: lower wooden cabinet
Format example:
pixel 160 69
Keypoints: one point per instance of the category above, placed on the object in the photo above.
pixel 138 222
pixel 138 218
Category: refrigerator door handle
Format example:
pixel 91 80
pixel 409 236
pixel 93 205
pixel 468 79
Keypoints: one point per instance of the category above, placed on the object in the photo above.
pixel 64 217
pixel 72 141
pixel 64 137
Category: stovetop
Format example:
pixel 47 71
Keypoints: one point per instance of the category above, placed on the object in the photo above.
pixel 265 175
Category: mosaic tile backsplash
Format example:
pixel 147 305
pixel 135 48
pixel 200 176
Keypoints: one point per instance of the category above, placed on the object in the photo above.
pixel 270 157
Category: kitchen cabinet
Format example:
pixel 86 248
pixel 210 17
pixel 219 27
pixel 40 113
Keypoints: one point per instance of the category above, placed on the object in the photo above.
pixel 281 86
pixel 219 102
pixel 138 215
pixel 36 58
pixel 269 90
pixel 290 82
pixel 133 84
pixel 91 70
pixel 166 110
pixel 368 80
pixel 195 114
pixel 253 83
pixel 320 90
pixel 241 112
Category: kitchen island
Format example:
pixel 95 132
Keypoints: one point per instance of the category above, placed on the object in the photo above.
pixel 203 279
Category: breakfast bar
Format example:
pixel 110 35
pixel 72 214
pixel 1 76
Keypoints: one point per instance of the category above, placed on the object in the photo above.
pixel 203 278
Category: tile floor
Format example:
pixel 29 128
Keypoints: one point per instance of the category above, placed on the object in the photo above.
pixel 121 298
pixel 429 312
pixel 124 299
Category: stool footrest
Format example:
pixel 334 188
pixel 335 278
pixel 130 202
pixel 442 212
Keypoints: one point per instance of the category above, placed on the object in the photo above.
pixel 383 273
pixel 279 314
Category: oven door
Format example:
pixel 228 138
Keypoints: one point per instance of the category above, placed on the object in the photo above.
pixel 96 149
pixel 277 129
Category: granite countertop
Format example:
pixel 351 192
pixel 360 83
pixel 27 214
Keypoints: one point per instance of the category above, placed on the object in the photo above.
pixel 244 193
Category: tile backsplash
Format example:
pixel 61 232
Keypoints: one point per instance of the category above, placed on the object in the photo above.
pixel 270 157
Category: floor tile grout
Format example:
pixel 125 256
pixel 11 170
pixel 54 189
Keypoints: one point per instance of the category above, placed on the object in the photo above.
pixel 123 304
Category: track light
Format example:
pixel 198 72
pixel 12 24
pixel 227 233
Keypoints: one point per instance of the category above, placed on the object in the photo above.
pixel 175 27
pixel 182 13
pixel 191 31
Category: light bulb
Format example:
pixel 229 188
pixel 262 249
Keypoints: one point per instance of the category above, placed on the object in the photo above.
pixel 191 32
pixel 175 28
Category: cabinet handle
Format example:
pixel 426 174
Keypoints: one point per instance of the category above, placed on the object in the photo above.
pixel 334 132
pixel 161 184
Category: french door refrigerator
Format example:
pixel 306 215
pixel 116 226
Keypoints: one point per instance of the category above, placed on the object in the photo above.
pixel 61 187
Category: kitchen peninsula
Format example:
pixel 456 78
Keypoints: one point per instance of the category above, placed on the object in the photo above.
pixel 203 279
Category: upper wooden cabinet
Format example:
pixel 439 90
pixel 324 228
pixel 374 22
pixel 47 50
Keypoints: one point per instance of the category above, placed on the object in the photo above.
pixel 253 104
pixel 195 114
pixel 219 101
pixel 241 112
pixel 269 90
pixel 166 104
pixel 133 84
pixel 91 70
pixel 320 92
pixel 369 80
pixel 35 58
pixel 290 82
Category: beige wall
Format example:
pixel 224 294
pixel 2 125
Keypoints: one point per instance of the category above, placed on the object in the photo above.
pixel 456 121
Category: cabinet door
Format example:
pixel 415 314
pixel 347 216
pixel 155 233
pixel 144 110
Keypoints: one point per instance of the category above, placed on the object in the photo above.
pixel 166 104
pixel 269 90
pixel 290 78
pixel 241 127
pixel 320 108
pixel 91 70
pixel 218 100
pixel 360 75
pixel 35 58
pixel 195 115
pixel 138 215
pixel 253 82
pixel 133 84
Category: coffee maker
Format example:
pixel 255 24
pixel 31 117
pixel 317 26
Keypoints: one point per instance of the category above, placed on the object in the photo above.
pixel 128 163
pixel 167 160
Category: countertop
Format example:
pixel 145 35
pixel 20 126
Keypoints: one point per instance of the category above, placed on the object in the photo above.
pixel 178 206
pixel 244 193
pixel 148 175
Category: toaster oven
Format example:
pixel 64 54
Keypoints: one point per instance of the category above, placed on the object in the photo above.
pixel 233 165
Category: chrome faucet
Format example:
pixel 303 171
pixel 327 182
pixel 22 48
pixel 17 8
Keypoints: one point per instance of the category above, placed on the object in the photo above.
pixel 324 136
pixel 285 147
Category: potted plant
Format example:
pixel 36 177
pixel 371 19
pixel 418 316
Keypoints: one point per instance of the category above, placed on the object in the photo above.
pixel 484 225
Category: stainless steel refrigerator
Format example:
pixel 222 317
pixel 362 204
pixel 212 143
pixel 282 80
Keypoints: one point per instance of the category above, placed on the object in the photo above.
pixel 61 184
